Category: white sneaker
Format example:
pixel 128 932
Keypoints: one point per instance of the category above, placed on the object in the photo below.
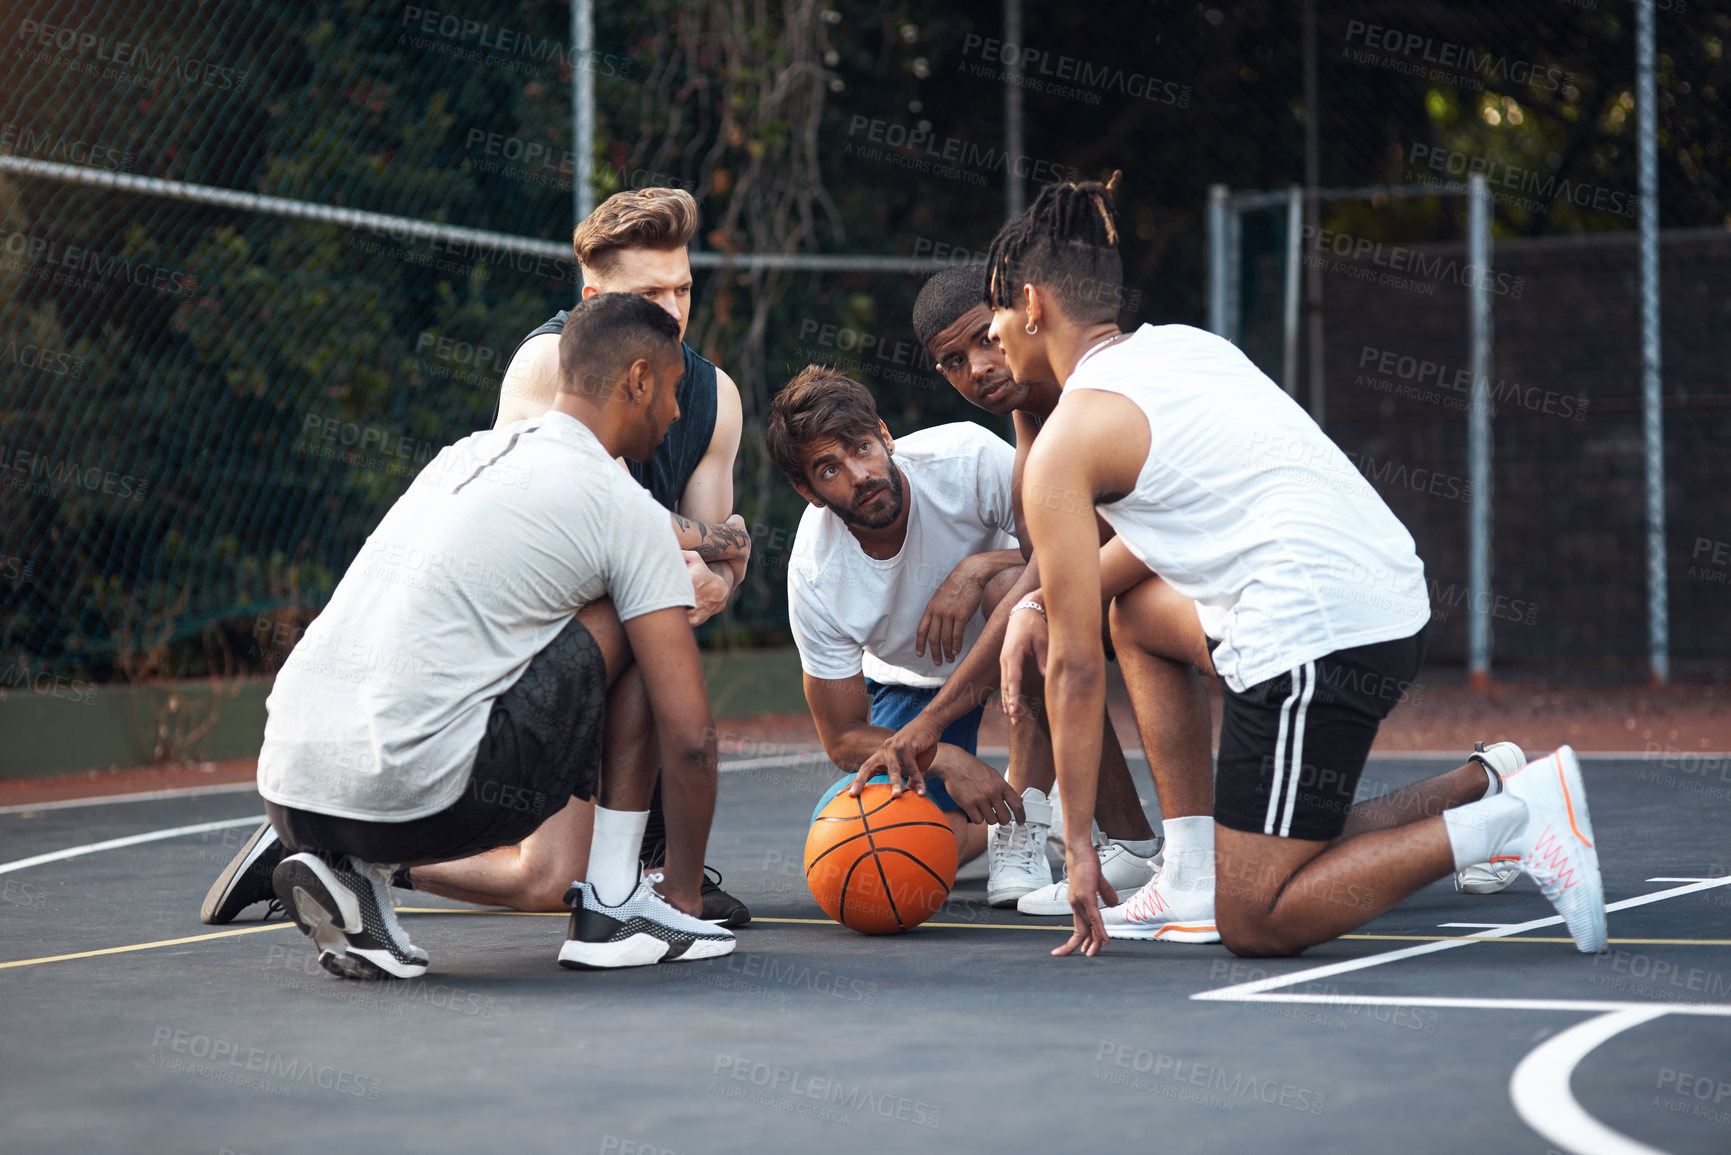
pixel 1506 760
pixel 1556 845
pixel 1118 865
pixel 1016 853
pixel 1159 911
pixel 642 930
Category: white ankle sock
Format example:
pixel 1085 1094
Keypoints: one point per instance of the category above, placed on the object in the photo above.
pixel 1481 829
pixel 1189 851
pixel 1140 847
pixel 613 851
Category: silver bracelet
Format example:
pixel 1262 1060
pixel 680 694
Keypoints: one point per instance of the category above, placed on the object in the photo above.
pixel 1030 604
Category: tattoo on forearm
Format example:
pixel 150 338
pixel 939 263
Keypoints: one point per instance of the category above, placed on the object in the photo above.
pixel 714 542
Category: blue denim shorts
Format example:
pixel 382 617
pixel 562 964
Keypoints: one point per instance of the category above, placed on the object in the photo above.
pixel 894 707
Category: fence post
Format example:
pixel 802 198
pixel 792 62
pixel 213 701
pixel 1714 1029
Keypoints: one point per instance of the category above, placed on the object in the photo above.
pixel 1289 310
pixel 583 107
pixel 1652 396
pixel 1479 437
pixel 1218 286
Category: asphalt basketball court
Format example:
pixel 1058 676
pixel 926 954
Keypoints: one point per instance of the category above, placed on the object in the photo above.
pixel 1450 1024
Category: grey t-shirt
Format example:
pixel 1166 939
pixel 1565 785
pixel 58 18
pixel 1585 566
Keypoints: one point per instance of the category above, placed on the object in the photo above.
pixel 500 540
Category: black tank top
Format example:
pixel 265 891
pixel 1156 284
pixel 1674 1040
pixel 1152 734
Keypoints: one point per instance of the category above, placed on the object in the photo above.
pixel 687 439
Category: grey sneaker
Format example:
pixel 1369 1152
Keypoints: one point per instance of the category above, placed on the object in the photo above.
pixel 643 930
pixel 245 880
pixel 344 906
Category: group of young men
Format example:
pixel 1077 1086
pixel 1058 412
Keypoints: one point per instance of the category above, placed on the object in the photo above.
pixel 1164 501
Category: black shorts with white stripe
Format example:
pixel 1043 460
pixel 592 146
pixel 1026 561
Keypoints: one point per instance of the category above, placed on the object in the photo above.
pixel 1292 748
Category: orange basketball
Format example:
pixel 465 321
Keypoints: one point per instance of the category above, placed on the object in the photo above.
pixel 880 865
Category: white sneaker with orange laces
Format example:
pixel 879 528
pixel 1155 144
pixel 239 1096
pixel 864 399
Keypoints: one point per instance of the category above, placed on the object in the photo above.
pixel 1162 911
pixel 1556 846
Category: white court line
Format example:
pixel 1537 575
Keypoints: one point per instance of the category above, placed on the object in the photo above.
pixel 129 840
pixel 813 756
pixel 1245 991
pixel 1713 1010
pixel 1495 925
pixel 1679 880
pixel 141 796
pixel 1542 1096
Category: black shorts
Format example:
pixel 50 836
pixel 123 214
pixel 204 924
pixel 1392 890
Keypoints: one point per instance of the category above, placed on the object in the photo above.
pixel 1292 748
pixel 542 748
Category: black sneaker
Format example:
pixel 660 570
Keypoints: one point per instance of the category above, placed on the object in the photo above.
pixel 719 907
pixel 344 906
pixel 643 930
pixel 245 880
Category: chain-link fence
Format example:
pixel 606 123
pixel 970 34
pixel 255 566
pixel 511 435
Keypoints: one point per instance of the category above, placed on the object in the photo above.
pixel 205 406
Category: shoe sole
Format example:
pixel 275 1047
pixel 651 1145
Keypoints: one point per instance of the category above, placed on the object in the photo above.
pixel 325 912
pixel 1581 827
pixel 1494 886
pixel 1048 908
pixel 212 912
pixel 1010 896
pixel 1167 932
pixel 638 950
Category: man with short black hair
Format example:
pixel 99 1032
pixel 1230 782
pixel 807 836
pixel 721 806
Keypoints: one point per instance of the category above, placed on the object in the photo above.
pixel 635 243
pixel 951 321
pixel 466 660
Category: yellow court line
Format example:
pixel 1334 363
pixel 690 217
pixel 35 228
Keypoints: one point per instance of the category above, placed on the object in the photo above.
pixel 25 962
pixel 1067 927
pixel 141 946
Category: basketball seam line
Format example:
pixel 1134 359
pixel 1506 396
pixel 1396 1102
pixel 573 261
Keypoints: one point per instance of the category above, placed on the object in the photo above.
pixel 882 877
pixel 862 834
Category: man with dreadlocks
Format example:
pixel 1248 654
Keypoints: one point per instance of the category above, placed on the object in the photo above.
pixel 1280 571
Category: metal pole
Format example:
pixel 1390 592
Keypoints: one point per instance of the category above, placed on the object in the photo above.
pixel 1289 311
pixel 583 105
pixel 1479 596
pixel 1652 397
pixel 1013 198
pixel 1313 217
pixel 1234 259
pixel 1217 283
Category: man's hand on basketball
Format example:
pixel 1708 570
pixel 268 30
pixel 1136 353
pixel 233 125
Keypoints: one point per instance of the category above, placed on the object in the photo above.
pixel 1024 638
pixel 1085 883
pixel 904 755
pixel 947 615
pixel 711 589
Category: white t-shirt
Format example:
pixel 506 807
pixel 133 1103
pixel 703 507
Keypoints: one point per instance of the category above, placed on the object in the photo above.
pixel 1245 506
pixel 495 546
pixel 852 613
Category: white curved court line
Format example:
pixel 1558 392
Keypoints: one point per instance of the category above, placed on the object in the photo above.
pixel 1542 1096
pixel 129 840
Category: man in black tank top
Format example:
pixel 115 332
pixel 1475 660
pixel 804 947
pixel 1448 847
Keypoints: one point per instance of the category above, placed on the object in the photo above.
pixel 635 242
